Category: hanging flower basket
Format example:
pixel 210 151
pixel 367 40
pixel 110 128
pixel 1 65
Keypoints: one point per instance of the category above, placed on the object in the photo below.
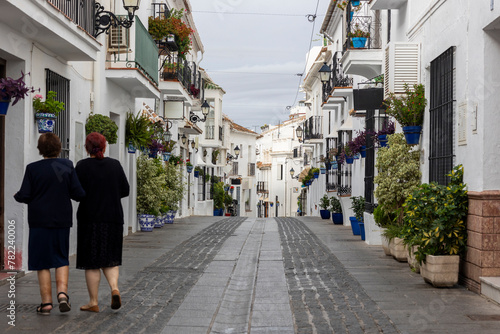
pixel 358 42
pixel 355 3
pixel 316 175
pixel 153 152
pixel 4 105
pixel 196 173
pixel 382 139
pixel 189 169
pixel 323 170
pixel 166 156
pixel 45 122
pixel 131 148
pixel 412 134
pixel 363 152
pixel 349 160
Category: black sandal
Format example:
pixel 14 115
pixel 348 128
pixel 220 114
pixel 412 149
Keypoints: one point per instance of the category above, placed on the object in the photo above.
pixel 40 309
pixel 64 305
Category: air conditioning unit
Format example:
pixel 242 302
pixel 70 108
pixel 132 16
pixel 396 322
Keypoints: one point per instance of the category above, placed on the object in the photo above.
pixel 118 37
pixel 402 65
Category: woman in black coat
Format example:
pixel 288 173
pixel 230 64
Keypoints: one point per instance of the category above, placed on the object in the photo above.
pixel 48 187
pixel 100 220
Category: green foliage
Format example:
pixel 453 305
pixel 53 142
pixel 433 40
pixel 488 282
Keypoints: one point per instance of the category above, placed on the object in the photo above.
pixel 50 105
pixel 393 231
pixel 151 185
pixel 324 202
pixel 409 108
pixel 335 205
pixel 398 174
pixel 358 206
pixel 435 217
pixel 219 195
pixel 315 171
pixel 104 125
pixel 175 186
pixel 382 217
pixel 215 155
pixel 137 130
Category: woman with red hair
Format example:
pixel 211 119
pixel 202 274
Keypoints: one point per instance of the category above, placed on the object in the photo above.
pixel 100 220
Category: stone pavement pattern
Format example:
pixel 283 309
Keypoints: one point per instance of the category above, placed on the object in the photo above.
pixel 236 275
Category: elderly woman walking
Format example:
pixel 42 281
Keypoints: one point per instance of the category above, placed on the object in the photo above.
pixel 48 187
pixel 100 220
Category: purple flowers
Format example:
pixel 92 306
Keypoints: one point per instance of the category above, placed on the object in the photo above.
pixel 14 89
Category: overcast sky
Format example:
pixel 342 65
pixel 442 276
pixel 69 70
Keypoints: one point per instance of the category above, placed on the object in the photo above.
pixel 263 52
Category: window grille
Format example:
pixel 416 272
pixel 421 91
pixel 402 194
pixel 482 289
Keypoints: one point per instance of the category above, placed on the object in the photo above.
pixel 441 117
pixel 60 85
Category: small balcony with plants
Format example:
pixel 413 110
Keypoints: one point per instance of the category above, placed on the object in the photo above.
pixel 338 83
pixel 132 60
pixel 362 39
pixel 312 128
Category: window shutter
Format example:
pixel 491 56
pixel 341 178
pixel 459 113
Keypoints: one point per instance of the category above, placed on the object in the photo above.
pixel 402 65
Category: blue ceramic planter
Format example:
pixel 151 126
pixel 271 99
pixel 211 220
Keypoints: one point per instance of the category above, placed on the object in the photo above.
pixel 323 170
pixel 355 226
pixel 412 134
pixel 382 139
pixel 4 106
pixel 131 148
pixel 337 218
pixel 355 3
pixel 166 156
pixel 349 160
pixel 45 122
pixel 363 152
pixel 325 214
pixel 316 175
pixel 197 173
pixel 362 230
pixel 189 169
pixel 358 42
pixel 147 222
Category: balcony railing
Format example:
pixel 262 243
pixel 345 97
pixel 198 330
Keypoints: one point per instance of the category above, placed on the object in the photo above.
pixel 176 68
pixel 312 128
pixel 262 187
pixel 80 12
pixel 144 53
pixel 209 131
pixel 337 79
pixel 364 23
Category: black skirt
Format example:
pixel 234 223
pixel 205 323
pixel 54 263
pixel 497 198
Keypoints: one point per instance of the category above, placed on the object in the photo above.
pixel 99 245
pixel 48 248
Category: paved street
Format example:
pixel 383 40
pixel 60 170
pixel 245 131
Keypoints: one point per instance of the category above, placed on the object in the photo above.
pixel 237 275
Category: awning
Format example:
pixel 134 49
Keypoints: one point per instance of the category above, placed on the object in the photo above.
pixel 266 199
pixel 304 172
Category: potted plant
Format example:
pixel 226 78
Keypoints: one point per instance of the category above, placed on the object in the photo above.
pixel 336 210
pixel 218 197
pixel 358 206
pixel 215 156
pixel 161 28
pixel 198 171
pixel 358 37
pixel 322 169
pixel 383 219
pixel 151 187
pixel 408 110
pixel 347 153
pixel 324 203
pixel 437 213
pixel 104 125
pixel 46 111
pixel 13 89
pixel 137 131
pixel 154 146
pixel 315 172
pixel 387 129
pixel 189 166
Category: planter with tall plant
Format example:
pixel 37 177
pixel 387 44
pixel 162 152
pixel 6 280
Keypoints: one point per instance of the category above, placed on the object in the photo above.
pixel 46 111
pixel 151 187
pixel 13 89
pixel 103 125
pixel 324 203
pixel 137 131
pixel 336 210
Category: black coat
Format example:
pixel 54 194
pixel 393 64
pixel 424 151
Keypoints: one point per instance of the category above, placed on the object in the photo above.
pixel 105 183
pixel 48 187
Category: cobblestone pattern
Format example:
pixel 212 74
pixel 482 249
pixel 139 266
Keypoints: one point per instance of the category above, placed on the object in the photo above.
pixel 156 292
pixel 325 298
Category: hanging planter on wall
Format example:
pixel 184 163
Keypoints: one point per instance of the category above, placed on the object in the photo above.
pixel 131 148
pixel 166 156
pixel 358 42
pixel 382 139
pixel 45 122
pixel 349 160
pixel 189 168
pixel 363 152
pixel 4 106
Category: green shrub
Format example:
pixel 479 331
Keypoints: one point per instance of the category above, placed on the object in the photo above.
pixel 358 206
pixel 324 202
pixel 382 217
pixel 102 124
pixel 335 205
pixel 137 130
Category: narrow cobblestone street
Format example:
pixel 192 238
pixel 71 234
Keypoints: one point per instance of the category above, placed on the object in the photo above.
pixel 237 275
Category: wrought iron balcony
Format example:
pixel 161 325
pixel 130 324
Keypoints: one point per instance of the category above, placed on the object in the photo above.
pixel 80 12
pixel 362 23
pixel 187 73
pixel 312 128
pixel 338 77
pixel 262 187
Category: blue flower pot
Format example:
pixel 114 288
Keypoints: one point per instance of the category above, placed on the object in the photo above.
pixel 355 3
pixel 153 152
pixel 325 214
pixel 159 222
pixel 45 122
pixel 131 148
pixel 146 222
pixel 355 226
pixel 322 170
pixel 316 175
pixel 196 173
pixel 166 156
pixel 189 169
pixel 358 42
pixel 362 230
pixel 349 160
pixel 4 106
pixel 363 152
pixel 337 218
pixel 170 217
pixel 382 139
pixel 412 134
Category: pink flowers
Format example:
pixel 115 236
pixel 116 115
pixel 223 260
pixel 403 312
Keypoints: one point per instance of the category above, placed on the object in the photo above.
pixel 37 97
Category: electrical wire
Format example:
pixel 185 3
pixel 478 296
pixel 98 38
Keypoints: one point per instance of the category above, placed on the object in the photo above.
pixel 260 14
pixel 310 44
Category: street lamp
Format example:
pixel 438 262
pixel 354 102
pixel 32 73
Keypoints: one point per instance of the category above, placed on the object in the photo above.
pixel 205 109
pixel 292 173
pixel 325 73
pixel 167 136
pixel 231 157
pixel 106 19
pixel 183 139
pixel 299 132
